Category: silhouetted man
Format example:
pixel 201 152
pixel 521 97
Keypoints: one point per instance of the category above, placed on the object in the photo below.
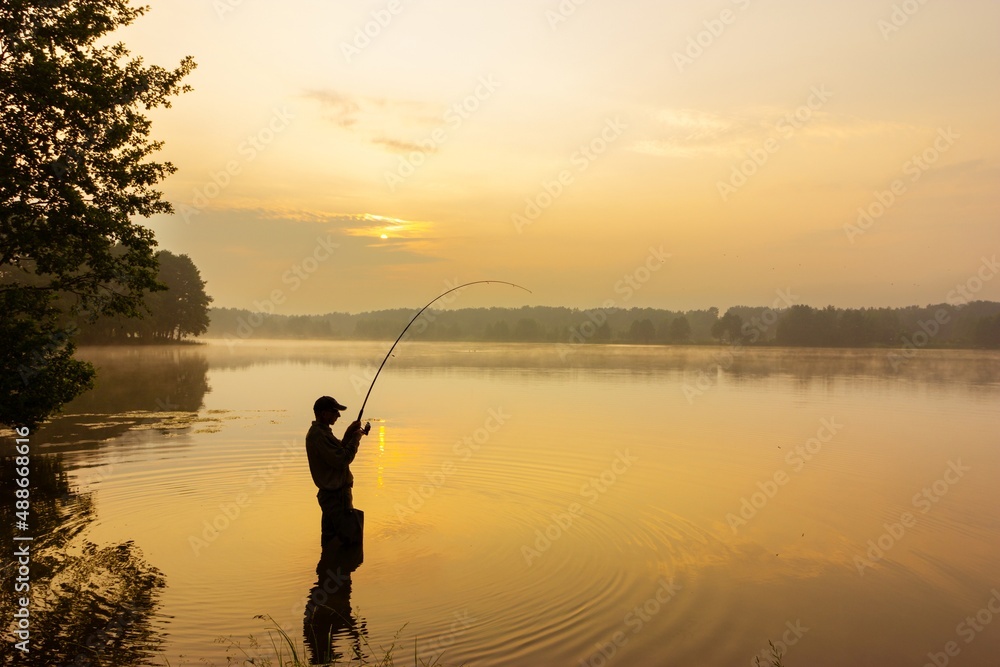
pixel 329 463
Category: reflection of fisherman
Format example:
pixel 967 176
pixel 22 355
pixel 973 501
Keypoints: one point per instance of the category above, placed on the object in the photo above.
pixel 328 615
pixel 329 463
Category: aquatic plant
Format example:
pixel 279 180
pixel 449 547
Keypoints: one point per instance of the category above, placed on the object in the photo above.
pixel 280 650
pixel 775 660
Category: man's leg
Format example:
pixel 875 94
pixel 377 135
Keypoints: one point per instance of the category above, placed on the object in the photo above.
pixel 331 502
pixel 350 530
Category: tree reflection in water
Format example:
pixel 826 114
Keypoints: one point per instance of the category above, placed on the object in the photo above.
pixel 90 605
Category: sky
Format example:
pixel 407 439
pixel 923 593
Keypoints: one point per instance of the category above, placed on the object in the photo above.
pixel 354 156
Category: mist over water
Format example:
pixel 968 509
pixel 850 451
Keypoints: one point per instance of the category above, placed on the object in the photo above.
pixel 526 504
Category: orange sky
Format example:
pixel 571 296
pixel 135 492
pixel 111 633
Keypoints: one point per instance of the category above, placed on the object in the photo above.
pixel 562 145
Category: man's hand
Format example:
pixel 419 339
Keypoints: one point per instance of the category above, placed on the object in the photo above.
pixel 353 429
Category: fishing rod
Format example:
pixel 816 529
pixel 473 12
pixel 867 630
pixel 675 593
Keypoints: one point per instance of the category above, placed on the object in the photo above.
pixel 389 353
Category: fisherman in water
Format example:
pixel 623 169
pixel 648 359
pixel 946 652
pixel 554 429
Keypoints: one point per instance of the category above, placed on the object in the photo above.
pixel 329 464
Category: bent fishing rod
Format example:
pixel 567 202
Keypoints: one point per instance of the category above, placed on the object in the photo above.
pixel 389 353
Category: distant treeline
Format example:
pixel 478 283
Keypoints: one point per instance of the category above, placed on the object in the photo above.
pixel 976 324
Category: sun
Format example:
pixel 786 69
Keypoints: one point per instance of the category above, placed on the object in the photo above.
pixel 384 236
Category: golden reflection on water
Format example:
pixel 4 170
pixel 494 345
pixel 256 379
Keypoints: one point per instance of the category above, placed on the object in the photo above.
pixel 381 454
pixel 547 498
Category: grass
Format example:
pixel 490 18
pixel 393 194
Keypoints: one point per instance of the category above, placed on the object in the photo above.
pixel 286 652
pixel 280 650
pixel 775 658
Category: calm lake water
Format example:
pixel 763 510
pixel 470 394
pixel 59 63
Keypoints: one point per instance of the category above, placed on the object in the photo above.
pixel 535 505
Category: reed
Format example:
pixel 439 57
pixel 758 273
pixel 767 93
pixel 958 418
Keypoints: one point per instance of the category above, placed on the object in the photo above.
pixel 281 650
pixel 774 660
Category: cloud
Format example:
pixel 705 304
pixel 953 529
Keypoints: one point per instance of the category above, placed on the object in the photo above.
pixel 406 241
pixel 691 133
pixel 389 124
pixel 394 228
pixel 337 108
pixel 397 146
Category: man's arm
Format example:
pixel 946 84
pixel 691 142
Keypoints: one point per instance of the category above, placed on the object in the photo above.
pixel 352 435
pixel 331 451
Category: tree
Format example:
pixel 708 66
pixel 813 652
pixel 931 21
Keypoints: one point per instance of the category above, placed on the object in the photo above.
pixel 729 329
pixel 603 333
pixel 182 309
pixel 642 331
pixel 498 331
pixel 680 330
pixel 796 326
pixel 74 171
pixel 527 329
pixel 988 331
pixel 179 310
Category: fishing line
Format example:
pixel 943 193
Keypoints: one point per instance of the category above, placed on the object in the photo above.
pixel 389 353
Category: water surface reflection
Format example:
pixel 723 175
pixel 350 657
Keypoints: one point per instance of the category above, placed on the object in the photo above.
pixel 329 621
pixel 90 604
pixel 453 499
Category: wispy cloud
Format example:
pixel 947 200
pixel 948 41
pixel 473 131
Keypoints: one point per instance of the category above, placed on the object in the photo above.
pixel 337 108
pixel 349 224
pixel 382 122
pixel 691 133
pixel 397 146
pixel 393 228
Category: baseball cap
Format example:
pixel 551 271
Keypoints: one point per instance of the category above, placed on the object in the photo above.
pixel 327 403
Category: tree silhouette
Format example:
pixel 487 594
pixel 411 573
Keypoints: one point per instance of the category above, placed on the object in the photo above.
pixel 680 330
pixel 74 172
pixel 182 309
pixel 642 331
pixel 527 329
pixel 171 314
pixel 729 328
pixel 988 331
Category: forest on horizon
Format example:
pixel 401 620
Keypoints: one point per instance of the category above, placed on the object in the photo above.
pixel 971 325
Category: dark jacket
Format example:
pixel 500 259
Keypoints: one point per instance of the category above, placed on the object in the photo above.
pixel 330 458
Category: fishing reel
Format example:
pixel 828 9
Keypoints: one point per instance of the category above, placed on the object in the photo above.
pixel 367 429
